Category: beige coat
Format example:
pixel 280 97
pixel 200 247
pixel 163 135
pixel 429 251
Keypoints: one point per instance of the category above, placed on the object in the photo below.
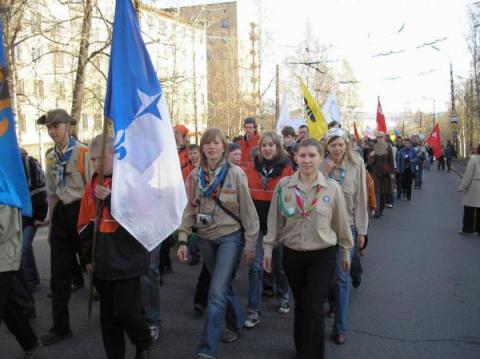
pixel 355 192
pixel 10 238
pixel 326 227
pixel 470 185
pixel 235 196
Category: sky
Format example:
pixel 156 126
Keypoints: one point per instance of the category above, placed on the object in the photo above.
pixel 357 30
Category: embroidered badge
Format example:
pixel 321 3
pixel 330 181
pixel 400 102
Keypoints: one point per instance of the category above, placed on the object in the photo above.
pixel 291 210
pixel 326 199
pixel 288 197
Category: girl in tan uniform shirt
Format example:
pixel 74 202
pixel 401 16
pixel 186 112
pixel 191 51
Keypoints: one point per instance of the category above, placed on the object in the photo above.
pixel 309 216
pixel 219 206
pixel 348 171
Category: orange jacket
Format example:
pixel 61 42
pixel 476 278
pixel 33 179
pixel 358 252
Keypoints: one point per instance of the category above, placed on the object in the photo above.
pixel 189 167
pixel 372 199
pixel 257 189
pixel 246 147
pixel 88 211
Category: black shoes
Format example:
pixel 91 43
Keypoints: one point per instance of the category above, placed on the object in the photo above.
pixel 199 308
pixel 356 281
pixel 229 336
pixel 32 353
pixel 52 338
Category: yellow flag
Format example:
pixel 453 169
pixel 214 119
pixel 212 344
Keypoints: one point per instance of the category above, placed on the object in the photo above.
pixel 317 126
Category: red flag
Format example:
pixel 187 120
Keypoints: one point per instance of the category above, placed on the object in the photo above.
pixel 434 141
pixel 381 124
pixel 355 132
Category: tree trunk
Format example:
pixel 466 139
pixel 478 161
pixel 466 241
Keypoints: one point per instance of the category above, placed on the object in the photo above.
pixel 78 88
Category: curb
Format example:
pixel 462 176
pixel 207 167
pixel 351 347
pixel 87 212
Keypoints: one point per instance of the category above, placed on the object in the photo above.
pixel 458 173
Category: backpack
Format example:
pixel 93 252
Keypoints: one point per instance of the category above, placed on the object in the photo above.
pixel 35 175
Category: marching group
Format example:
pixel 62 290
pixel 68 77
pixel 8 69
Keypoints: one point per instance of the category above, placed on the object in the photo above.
pixel 296 209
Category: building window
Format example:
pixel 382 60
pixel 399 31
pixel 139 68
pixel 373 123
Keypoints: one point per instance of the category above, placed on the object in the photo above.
pixel 39 89
pixel 84 122
pixel 98 121
pixel 18 53
pixel 60 90
pixel 225 23
pixel 57 58
pixel 20 87
pixel 22 125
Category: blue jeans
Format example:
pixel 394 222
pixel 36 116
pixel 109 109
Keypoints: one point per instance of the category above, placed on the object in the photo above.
pixel 342 287
pixel 150 289
pixel 221 256
pixel 28 264
pixel 255 274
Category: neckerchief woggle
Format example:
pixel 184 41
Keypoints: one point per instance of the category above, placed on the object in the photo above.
pixel 63 159
pixel 304 213
pixel 209 185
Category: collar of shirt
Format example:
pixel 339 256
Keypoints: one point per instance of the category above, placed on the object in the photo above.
pixel 320 180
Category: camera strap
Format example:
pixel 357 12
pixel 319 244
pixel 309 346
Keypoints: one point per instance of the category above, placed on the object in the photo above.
pixel 220 204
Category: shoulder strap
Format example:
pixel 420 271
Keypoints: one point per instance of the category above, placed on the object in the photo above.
pixel 81 160
pixel 220 204
pixel 26 162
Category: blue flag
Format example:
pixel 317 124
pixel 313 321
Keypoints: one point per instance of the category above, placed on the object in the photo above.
pixel 147 178
pixel 13 183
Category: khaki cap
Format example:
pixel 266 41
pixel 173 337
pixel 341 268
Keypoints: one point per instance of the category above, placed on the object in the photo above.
pixel 56 116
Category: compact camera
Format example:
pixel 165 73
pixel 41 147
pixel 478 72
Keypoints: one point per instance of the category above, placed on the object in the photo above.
pixel 204 219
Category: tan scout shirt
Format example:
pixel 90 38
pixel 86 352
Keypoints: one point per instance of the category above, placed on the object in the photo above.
pixel 75 182
pixel 355 192
pixel 10 238
pixel 235 196
pixel 328 225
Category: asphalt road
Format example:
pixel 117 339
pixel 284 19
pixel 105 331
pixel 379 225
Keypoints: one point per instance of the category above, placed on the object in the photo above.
pixel 419 298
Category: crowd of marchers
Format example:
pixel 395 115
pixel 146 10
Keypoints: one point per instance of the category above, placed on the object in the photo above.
pixel 294 208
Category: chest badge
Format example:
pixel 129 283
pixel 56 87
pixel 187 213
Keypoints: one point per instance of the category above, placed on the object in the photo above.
pixel 288 197
pixel 326 199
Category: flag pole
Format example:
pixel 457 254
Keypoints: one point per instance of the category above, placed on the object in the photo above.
pixel 97 214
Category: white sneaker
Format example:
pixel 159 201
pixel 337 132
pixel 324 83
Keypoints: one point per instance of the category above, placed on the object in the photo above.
pixel 389 205
pixel 154 332
pixel 284 308
pixel 251 322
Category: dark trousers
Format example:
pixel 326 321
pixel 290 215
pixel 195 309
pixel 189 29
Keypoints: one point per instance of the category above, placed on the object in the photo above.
pixel 407 178
pixel 449 164
pixel 309 275
pixel 121 311
pixel 165 262
pixel 203 283
pixel 441 163
pixel 398 180
pixel 12 312
pixel 64 247
pixel 471 219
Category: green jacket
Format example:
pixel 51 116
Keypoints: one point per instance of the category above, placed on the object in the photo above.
pixel 10 238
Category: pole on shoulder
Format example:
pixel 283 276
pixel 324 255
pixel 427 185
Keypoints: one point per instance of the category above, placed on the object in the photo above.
pixel 97 215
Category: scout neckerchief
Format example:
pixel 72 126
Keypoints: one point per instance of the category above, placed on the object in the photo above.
pixel 340 178
pixel 304 213
pixel 63 159
pixel 210 182
pixel 341 175
pixel 265 176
